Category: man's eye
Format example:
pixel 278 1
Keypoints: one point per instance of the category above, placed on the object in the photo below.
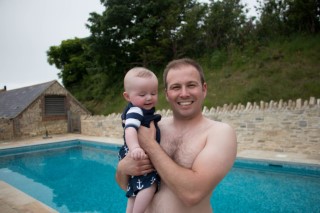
pixel 175 87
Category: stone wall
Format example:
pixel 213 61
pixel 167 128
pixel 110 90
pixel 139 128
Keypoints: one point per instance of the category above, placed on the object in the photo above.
pixel 31 122
pixel 292 126
pixel 274 126
pixel 102 126
pixel 6 129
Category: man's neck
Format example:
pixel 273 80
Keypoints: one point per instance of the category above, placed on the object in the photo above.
pixel 188 121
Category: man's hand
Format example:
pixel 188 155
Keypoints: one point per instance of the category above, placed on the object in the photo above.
pixel 146 134
pixel 131 167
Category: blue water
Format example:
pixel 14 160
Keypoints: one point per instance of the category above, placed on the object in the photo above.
pixel 78 176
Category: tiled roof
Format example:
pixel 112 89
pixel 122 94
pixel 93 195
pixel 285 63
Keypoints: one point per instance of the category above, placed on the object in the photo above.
pixel 13 102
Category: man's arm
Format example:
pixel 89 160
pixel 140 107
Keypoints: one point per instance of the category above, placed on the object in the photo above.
pixel 209 168
pixel 121 176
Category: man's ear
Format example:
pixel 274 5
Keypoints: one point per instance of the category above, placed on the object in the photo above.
pixel 204 89
pixel 126 96
pixel 165 91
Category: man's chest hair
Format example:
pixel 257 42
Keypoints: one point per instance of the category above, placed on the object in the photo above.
pixel 181 149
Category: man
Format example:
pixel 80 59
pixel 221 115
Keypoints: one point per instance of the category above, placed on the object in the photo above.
pixel 195 153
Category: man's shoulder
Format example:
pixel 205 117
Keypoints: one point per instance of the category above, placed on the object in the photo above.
pixel 218 125
pixel 165 121
pixel 219 128
pixel 220 131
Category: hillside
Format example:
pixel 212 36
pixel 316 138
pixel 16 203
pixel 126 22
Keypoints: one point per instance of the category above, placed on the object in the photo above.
pixel 284 69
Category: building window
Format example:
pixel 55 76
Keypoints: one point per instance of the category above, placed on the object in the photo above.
pixel 54 105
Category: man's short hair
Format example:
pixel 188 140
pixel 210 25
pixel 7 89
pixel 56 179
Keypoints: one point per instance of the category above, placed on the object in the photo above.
pixel 179 63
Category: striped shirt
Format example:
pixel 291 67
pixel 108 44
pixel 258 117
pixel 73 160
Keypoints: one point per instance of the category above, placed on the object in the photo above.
pixel 134 117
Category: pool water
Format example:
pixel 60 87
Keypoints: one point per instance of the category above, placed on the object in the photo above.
pixel 78 176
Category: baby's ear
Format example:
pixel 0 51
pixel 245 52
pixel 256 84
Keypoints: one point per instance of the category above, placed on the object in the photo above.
pixel 126 96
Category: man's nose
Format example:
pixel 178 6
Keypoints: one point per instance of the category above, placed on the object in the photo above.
pixel 184 91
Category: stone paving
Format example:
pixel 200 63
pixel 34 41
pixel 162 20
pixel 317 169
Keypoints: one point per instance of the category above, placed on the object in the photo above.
pixel 14 201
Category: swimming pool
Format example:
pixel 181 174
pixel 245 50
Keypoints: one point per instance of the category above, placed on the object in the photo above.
pixel 78 176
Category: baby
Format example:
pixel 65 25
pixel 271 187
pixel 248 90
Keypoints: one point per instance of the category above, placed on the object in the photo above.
pixel 141 92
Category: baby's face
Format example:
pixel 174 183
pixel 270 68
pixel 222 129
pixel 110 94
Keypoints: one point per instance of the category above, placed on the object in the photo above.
pixel 143 92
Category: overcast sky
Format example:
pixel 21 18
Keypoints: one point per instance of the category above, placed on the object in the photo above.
pixel 27 30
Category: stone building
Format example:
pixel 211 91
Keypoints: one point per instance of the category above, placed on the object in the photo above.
pixel 41 109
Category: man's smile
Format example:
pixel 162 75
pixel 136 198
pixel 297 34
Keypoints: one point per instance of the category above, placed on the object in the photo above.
pixel 185 103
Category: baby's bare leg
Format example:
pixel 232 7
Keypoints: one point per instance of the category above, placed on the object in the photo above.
pixel 130 204
pixel 143 199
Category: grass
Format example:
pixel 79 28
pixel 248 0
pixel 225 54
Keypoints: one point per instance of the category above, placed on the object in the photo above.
pixel 284 69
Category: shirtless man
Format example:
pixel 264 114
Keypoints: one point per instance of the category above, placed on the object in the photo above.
pixel 195 153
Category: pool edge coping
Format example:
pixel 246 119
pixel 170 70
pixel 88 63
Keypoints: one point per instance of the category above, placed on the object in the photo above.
pixel 15 200
pixel 285 157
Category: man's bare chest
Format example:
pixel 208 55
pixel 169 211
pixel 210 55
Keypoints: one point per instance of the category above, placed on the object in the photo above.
pixel 183 149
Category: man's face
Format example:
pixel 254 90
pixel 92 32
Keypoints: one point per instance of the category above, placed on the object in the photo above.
pixel 184 92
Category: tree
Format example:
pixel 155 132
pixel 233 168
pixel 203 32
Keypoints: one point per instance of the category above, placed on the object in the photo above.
pixel 139 33
pixel 303 16
pixel 287 17
pixel 190 35
pixel 223 24
pixel 70 57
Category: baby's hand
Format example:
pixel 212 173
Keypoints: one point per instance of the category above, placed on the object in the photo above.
pixel 138 154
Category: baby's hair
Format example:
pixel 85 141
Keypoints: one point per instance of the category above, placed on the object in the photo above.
pixel 139 72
